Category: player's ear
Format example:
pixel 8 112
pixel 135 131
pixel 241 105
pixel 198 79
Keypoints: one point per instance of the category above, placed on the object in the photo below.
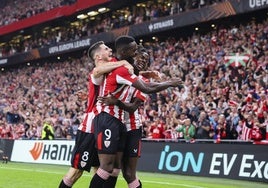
pixel 97 57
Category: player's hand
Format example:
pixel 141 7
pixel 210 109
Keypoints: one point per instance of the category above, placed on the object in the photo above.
pixel 151 74
pixel 174 82
pixel 108 100
pixel 129 67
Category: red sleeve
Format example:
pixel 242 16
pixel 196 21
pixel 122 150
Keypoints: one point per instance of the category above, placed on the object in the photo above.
pixel 124 77
pixel 138 94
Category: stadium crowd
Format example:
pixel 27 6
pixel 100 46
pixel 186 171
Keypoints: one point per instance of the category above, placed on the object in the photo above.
pixel 13 11
pixel 221 98
pixel 66 31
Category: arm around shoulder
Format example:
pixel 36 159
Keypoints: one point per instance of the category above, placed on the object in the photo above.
pixel 155 87
pixel 107 67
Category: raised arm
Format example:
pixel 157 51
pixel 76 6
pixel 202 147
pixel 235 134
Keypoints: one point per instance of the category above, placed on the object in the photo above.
pixel 107 67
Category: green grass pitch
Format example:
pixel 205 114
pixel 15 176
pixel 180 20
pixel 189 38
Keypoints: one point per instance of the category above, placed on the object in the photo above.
pixel 25 175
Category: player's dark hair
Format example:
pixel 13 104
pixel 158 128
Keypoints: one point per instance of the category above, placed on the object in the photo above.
pixel 141 48
pixel 92 49
pixel 123 41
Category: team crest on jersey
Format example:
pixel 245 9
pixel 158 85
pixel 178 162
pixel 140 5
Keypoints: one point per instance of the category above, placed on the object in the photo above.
pixel 83 164
pixel 107 143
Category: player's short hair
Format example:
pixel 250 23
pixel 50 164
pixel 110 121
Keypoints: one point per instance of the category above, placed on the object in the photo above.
pixel 92 49
pixel 122 41
pixel 141 48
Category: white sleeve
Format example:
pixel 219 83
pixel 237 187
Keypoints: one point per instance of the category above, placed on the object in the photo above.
pixel 97 81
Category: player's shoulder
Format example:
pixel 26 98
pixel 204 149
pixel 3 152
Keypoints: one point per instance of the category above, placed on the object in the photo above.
pixel 120 70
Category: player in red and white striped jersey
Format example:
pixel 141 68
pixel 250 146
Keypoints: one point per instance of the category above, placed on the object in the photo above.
pixel 84 152
pixel 110 132
pixel 132 120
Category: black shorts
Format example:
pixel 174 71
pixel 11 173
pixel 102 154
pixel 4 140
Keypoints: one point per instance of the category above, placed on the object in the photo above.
pixel 110 133
pixel 133 143
pixel 84 154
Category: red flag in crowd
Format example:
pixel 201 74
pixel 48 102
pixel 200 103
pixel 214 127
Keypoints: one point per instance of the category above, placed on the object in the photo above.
pixel 236 59
pixel 253 37
pixel 232 103
pixel 246 132
pixel 214 39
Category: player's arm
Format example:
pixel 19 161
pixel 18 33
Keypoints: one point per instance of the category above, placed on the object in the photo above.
pixel 153 87
pixel 129 107
pixel 107 67
pixel 123 77
pixel 155 84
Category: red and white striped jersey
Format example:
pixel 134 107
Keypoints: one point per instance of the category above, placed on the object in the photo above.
pixel 133 120
pixel 115 83
pixel 93 92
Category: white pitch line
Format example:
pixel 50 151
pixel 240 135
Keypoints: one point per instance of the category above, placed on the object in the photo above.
pixel 30 170
pixel 90 175
pixel 167 183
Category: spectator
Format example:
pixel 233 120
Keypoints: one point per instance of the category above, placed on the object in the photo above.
pixel 59 132
pixel 108 21
pixel 157 129
pixel 48 131
pixel 188 130
pixel 203 127
pixel 68 130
